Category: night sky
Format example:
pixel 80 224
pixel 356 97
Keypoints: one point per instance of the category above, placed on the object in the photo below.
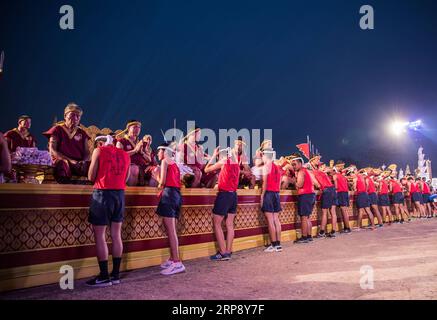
pixel 297 67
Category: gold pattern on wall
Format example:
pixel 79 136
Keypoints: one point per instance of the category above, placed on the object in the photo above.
pixel 35 229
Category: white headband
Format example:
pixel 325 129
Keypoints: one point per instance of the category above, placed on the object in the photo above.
pixel 167 149
pixel 109 139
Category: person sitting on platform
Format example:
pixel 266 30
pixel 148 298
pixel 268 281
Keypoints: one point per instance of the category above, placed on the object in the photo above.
pixel 193 156
pixel 68 146
pixel 152 169
pixel 5 158
pixel 128 140
pixel 20 136
pixel 247 179
pixel 109 171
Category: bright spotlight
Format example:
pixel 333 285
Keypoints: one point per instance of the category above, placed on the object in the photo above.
pixel 397 127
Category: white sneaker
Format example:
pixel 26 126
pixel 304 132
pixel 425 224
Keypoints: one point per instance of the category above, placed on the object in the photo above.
pixel 175 267
pixel 270 248
pixel 278 248
pixel 166 264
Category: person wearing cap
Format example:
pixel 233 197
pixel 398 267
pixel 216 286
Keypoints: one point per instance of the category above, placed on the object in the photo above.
pixel 68 146
pixel 373 197
pixel 327 198
pixel 225 204
pixel 305 183
pixel 5 158
pixel 362 198
pixel 20 136
pixel 170 203
pixel 247 179
pixel 270 200
pixel 109 170
pixel 342 194
pixel 129 141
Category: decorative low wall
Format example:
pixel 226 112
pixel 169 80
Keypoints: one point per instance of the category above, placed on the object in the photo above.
pixel 43 227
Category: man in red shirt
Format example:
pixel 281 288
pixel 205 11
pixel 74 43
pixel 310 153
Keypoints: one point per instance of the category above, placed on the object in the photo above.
pixel 371 190
pixel 20 136
pixel 270 199
pixel 109 170
pixel 362 198
pixel 426 193
pixel 225 205
pixel 342 188
pixel 305 183
pixel 383 198
pixel 327 198
pixel 68 146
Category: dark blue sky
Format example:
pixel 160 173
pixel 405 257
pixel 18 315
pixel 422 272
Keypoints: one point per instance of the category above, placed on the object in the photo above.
pixel 297 67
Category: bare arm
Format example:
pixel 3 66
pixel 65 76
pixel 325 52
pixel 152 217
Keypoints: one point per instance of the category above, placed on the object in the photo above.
pixel 300 179
pixel 5 158
pixel 163 174
pixel 314 180
pixel 94 166
pixel 334 177
pixel 210 167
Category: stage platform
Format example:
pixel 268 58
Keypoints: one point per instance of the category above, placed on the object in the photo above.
pixel 43 227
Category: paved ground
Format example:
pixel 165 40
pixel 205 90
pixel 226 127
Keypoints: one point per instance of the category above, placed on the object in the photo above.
pixel 403 258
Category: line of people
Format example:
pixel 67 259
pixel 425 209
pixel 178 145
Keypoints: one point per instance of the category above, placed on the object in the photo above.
pixel 373 189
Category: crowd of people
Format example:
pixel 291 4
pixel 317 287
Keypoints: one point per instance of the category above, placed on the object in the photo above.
pixel 124 159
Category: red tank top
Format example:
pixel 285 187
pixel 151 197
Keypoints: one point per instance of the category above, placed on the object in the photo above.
pixel 371 185
pixel 413 187
pixel 173 177
pixel 112 170
pixel 396 186
pixel 342 185
pixel 361 186
pixel 229 177
pixel 323 179
pixel 307 184
pixel 273 179
pixel 426 188
pixel 383 187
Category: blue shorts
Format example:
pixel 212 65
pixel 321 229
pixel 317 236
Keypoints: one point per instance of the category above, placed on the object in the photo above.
pixel 106 206
pixel 328 198
pixel 373 198
pixel 343 199
pixel 383 200
pixel 398 198
pixel 225 202
pixel 271 202
pixel 170 203
pixel 363 200
pixel 426 198
pixel 305 204
pixel 416 197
